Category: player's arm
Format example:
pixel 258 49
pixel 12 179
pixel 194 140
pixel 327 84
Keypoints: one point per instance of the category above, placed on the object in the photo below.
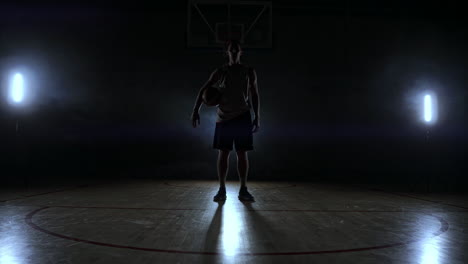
pixel 253 89
pixel 211 81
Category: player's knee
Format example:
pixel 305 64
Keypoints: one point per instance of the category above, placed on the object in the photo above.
pixel 241 153
pixel 224 152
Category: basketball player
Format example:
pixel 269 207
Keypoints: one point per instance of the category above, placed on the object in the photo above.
pixel 234 123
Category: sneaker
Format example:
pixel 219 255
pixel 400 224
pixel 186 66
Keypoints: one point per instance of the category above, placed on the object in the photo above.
pixel 244 195
pixel 220 196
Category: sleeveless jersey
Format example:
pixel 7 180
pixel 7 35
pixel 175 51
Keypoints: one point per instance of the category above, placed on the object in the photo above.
pixel 235 94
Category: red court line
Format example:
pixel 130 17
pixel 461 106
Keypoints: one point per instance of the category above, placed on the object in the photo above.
pixel 124 208
pixel 44 193
pixel 418 198
pixel 444 226
pixel 255 210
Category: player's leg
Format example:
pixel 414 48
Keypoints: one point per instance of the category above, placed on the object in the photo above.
pixel 243 169
pixel 242 166
pixel 223 166
pixel 243 141
pixel 223 142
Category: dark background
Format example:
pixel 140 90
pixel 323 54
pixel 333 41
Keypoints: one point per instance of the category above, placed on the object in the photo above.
pixel 112 89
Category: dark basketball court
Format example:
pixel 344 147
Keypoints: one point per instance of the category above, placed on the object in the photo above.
pixel 233 132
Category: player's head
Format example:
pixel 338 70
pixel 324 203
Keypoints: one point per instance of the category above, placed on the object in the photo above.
pixel 233 49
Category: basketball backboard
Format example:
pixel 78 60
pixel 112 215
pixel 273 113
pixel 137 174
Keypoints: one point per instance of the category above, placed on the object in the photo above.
pixel 211 23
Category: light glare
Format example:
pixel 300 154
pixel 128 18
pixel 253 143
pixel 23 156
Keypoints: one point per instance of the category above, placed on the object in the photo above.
pixel 231 230
pixel 430 253
pixel 17 88
pixel 427 108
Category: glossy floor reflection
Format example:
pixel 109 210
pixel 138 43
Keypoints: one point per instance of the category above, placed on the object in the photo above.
pixel 177 222
pixel 430 251
pixel 232 223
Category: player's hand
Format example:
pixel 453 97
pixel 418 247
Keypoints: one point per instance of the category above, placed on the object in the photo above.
pixel 195 118
pixel 255 124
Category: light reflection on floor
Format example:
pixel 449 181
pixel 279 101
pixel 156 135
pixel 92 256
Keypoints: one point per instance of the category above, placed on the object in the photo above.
pixel 11 248
pixel 6 257
pixel 234 232
pixel 430 252
pixel 231 229
pixel 430 246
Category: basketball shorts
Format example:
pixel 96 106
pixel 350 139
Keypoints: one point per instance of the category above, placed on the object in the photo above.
pixel 237 131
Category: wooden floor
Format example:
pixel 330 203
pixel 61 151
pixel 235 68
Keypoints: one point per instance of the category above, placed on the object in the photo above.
pixel 149 221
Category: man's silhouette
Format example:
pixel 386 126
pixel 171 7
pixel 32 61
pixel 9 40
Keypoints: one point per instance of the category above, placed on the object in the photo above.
pixel 234 124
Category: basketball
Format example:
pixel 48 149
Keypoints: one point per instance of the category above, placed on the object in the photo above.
pixel 211 96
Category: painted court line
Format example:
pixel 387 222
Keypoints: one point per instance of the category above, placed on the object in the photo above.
pixel 44 193
pixel 418 198
pixel 444 226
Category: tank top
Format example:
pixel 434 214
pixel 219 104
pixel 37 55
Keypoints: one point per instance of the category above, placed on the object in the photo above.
pixel 235 94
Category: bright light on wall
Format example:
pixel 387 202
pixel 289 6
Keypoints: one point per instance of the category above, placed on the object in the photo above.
pixel 427 108
pixel 17 88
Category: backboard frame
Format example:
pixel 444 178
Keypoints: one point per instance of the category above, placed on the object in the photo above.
pixel 212 27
